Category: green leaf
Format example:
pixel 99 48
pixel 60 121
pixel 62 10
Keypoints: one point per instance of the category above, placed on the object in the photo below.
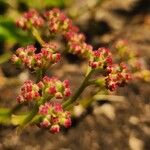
pixel 11 34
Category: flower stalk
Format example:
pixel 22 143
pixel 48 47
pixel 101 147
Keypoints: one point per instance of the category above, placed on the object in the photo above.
pixel 79 91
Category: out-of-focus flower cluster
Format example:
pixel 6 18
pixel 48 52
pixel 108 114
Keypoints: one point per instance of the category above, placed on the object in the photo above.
pixel 29 91
pixel 60 23
pixel 29 18
pixel 135 63
pixel 100 58
pixel 53 117
pixel 27 57
pixel 118 76
pixel 47 88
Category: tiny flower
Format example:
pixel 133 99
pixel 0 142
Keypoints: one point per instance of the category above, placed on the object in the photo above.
pixel 66 83
pixel 67 92
pixel 67 123
pixel 55 129
pixel 45 123
pixel 58 95
pixel 43 110
pixel 58 107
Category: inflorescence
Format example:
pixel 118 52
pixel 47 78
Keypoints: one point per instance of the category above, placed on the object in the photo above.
pixel 136 64
pixel 54 116
pixel 30 18
pixel 27 56
pixel 47 88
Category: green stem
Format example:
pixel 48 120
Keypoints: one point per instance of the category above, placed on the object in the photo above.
pixel 29 117
pixel 79 91
pixel 37 35
pixel 39 74
pixel 33 113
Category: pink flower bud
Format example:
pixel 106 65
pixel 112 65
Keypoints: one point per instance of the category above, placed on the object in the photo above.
pixel 43 109
pixel 55 129
pixel 45 123
pixel 58 107
pixel 67 92
pixel 40 85
pixel 58 95
pixel 67 123
pixel 52 90
pixel 66 83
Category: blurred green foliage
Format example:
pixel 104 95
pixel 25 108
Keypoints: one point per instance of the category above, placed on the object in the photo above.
pixel 40 4
pixel 11 34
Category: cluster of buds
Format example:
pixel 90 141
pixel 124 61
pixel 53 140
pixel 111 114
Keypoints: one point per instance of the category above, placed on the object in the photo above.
pixel 60 23
pixel 117 76
pixel 52 87
pixel 143 74
pixel 100 58
pixel 121 44
pixel 47 56
pixel 47 88
pixel 29 18
pixel 53 117
pixel 28 92
pixel 125 53
pixel 29 58
pixel 77 44
pixel 136 64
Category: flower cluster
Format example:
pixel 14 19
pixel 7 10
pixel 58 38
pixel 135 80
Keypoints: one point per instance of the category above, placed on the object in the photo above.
pixel 28 92
pixel 117 76
pixel 29 18
pixel 47 88
pixel 136 64
pixel 126 53
pixel 29 58
pixel 100 58
pixel 57 21
pixel 52 87
pixel 77 44
pixel 60 23
pixel 53 117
